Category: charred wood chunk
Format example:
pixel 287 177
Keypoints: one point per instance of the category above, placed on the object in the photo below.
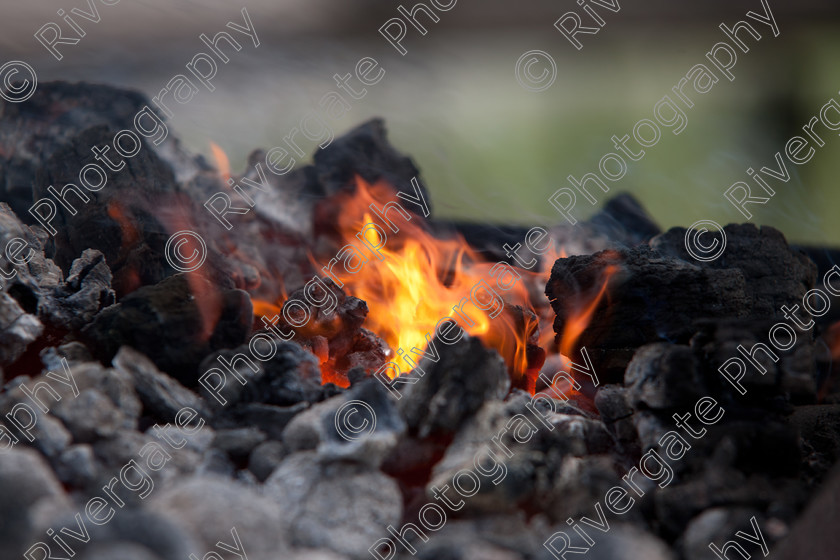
pixel 288 376
pixel 657 292
pixel 176 323
pixel 23 262
pixel 87 290
pixel 31 132
pixel 366 152
pixel 774 273
pixel 368 353
pixel 625 220
pixel 27 279
pixel 36 283
pixel 291 376
pixel 117 219
pixel 128 218
pixel 451 383
pixel 622 222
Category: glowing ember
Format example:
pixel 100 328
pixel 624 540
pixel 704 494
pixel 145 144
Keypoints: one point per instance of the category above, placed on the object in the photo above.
pixel 118 213
pixel 265 308
pixel 832 336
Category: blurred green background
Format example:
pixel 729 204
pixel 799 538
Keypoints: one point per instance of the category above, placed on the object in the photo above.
pixel 488 149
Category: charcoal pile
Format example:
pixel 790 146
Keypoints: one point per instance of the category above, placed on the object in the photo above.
pixel 149 412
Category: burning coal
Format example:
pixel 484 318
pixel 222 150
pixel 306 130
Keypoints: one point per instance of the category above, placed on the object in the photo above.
pixel 420 286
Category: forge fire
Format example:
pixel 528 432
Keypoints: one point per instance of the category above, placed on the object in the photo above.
pixel 421 287
pixel 382 336
pixel 536 374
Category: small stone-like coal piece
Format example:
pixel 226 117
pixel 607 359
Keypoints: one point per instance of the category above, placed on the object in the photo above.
pixel 161 395
pixel 451 388
pixel 290 376
pixel 169 323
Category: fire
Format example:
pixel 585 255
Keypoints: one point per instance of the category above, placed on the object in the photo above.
pixel 580 310
pixel 582 315
pixel 418 279
pixel 266 308
pixel 222 161
pixel 411 280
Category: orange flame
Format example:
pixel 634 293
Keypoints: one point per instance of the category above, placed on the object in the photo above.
pixel 262 307
pixel 579 316
pixel 582 315
pixel 222 161
pixel 411 280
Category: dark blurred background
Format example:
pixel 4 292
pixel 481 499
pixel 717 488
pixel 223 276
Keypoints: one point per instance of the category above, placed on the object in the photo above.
pixel 490 150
